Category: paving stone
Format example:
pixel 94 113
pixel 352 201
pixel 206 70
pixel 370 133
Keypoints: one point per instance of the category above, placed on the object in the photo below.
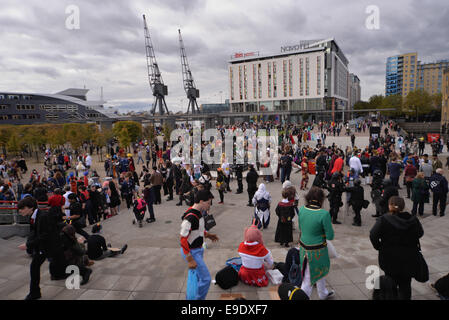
pixel 93 294
pixel 117 295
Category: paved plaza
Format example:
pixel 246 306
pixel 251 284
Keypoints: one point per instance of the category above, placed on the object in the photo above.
pixel 152 267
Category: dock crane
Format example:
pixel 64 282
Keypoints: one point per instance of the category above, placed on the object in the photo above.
pixel 154 75
pixel 189 84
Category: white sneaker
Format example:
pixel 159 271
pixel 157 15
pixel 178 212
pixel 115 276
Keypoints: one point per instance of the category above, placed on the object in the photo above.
pixel 330 295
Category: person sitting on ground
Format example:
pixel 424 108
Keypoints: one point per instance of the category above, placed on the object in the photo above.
pixel 74 253
pixel 255 258
pixel 97 248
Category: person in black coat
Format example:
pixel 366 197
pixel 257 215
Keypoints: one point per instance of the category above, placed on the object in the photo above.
pixel 388 191
pixel 251 179
pixel 336 188
pixel 356 201
pixel 43 241
pixel 239 175
pixel 285 210
pixel 396 237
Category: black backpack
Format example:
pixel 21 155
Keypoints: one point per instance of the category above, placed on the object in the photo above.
pixel 442 286
pixel 294 274
pixel 227 278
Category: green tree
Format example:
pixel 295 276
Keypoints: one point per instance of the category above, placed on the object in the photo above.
pixel 133 129
pixel 376 101
pixel 417 102
pixel 13 143
pixel 392 102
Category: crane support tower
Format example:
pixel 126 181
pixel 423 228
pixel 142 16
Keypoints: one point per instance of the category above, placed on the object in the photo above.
pixel 189 84
pixel 154 75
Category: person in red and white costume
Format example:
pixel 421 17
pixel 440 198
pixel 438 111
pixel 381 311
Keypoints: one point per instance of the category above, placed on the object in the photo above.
pixel 256 258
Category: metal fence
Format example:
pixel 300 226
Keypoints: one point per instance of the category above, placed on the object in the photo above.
pixel 9 214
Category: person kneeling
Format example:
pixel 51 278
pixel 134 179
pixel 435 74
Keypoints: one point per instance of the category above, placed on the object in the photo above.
pixel 74 253
pixel 255 258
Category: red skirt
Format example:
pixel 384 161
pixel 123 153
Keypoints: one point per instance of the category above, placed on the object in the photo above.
pixel 253 277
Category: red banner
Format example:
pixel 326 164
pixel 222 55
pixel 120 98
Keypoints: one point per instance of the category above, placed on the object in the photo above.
pixel 431 137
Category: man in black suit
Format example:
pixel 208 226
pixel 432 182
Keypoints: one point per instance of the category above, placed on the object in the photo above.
pixel 43 241
pixel 251 179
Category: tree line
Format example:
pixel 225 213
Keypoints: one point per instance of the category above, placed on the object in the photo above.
pixel 416 103
pixel 17 138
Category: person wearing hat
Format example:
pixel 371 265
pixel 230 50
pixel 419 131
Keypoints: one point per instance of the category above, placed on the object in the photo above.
pixel 191 239
pixel 255 258
pixel 288 291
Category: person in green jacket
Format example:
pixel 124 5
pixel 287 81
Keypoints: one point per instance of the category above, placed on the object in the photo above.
pixel 316 227
pixel 420 193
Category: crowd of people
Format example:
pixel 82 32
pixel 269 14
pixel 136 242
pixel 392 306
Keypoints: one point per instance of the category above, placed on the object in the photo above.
pixel 78 196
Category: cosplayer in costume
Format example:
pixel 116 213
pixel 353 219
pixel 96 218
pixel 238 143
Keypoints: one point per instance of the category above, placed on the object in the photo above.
pixel 254 258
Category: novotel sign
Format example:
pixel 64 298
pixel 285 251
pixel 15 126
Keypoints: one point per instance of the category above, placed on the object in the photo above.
pixel 291 48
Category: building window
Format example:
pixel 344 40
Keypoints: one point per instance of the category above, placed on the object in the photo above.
pixel 259 79
pixel 231 76
pixel 318 75
pixel 307 76
pixel 254 82
pixel 245 82
pixel 290 80
pixel 284 77
pixel 240 83
pixel 2 97
pixel 275 93
pixel 269 79
pixel 13 97
pixel 301 77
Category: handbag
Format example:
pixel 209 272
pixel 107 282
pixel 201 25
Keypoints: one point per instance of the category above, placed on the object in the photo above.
pixel 365 204
pixel 209 222
pixel 422 273
pixel 192 285
pixel 331 250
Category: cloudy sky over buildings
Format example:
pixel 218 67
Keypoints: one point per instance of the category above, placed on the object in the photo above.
pixel 38 53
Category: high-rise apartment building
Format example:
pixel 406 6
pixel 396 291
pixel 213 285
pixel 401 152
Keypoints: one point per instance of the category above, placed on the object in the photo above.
pixel 401 74
pixel 430 76
pixel 445 101
pixel 404 73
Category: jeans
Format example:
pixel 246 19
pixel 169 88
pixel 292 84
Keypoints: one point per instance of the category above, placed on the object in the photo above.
pixel 202 272
pixel 418 205
pixel 441 198
pixel 285 174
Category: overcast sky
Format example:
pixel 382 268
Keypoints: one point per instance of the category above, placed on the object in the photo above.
pixel 38 53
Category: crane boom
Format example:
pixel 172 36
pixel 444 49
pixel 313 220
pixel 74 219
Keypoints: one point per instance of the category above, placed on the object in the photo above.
pixel 189 84
pixel 154 75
